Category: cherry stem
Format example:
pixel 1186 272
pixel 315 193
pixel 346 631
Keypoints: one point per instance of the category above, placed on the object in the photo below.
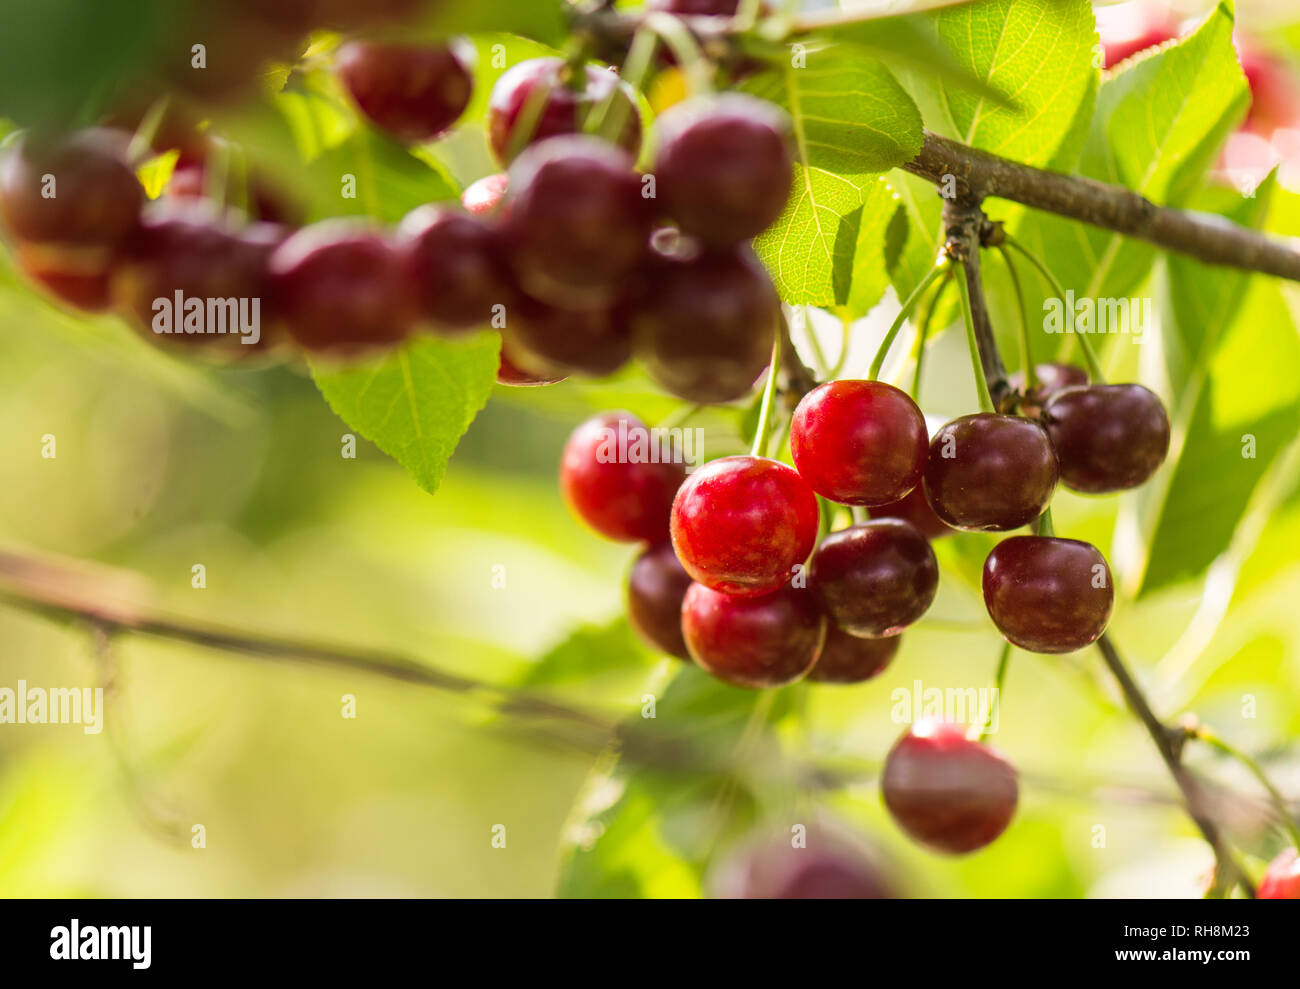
pixel 1089 355
pixel 846 331
pixel 999 678
pixel 769 399
pixel 611 116
pixel 141 144
pixel 1044 526
pixel 937 271
pixel 684 46
pixel 1026 352
pixel 1204 734
pixel 923 333
pixel 977 365
pixel 818 355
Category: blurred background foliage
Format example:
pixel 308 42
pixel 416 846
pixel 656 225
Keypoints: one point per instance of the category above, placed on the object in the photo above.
pixel 165 463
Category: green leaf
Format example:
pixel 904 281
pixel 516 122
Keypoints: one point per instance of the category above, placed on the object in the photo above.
pixel 415 403
pixel 852 121
pixel 541 20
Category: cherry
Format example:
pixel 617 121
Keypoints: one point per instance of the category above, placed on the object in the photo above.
pixel 1051 378
pixel 414 92
pixel 704 325
pixel 1047 594
pixel 1273 88
pixel 482 198
pixel 915 508
pixel 947 792
pixel 455 264
pixel 548 340
pixel 509 373
pixel 557 106
pixel 849 658
pixel 765 641
pixel 859 442
pixel 78 276
pixel 614 477
pixel 1128 28
pixel 723 167
pixel 341 288
pixel 78 191
pixel 827 866
pixel 696 8
pixel 875 578
pixel 990 472
pixel 655 590
pixel 266 201
pixel 1107 437
pixel 576 224
pixel 741 524
pixel 1282 878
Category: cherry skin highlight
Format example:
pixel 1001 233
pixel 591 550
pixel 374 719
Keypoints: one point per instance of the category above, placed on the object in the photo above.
pixel 875 578
pixel 1282 878
pixel 413 92
pixel 741 525
pixel 609 480
pixel 947 792
pixel 483 198
pixel 1046 594
pixel 1107 437
pixel 990 472
pixel 852 659
pixel 768 640
pixel 455 266
pixel 656 587
pixel 859 442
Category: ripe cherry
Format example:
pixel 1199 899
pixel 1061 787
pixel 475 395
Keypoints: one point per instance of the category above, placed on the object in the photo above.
pixel 742 524
pixel 1128 28
pixel 947 792
pixel 1046 594
pixel 704 325
pixel 414 92
pixel 1282 878
pixel 990 472
pixel 78 191
pixel 1273 88
pixel 550 340
pixel 656 587
pixel 915 508
pixel 826 865
pixel 509 373
pixel 341 288
pixel 765 641
pixel 540 89
pixel 859 442
pixel 1107 437
pixel 576 224
pixel 723 167
pixel 875 578
pixel 696 8
pixel 852 659
pixel 455 265
pixel 78 276
pixel 617 480
pixel 1050 378
pixel 482 198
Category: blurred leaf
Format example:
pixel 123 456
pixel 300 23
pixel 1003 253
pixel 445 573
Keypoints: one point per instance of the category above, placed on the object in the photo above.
pixel 609 662
pixel 852 121
pixel 416 403
pixel 540 20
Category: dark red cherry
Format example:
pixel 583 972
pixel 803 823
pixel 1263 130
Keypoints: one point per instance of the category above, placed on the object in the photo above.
pixel 456 266
pixel 704 325
pixel 1049 379
pixel 947 792
pixel 875 578
pixel 413 92
pixel 696 8
pixel 342 288
pixel 990 472
pixel 576 224
pixel 542 88
pixel 915 508
pixel 1282 878
pixel 482 198
pixel 1107 437
pixel 656 588
pixel 1047 594
pixel 509 373
pixel 76 191
pixel 764 641
pixel 78 276
pixel 859 442
pixel 742 524
pixel 723 168
pixel 849 658
pixel 554 341
pixel 618 480
pixel 825 865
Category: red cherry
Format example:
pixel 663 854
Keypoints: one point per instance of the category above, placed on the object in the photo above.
pixel 455 265
pixel 915 508
pixel 616 478
pixel 414 92
pixel 696 8
pixel 541 87
pixel 1050 378
pixel 656 587
pixel 1273 91
pixel 1128 28
pixel 765 641
pixel 80 277
pixel 859 442
pixel 852 659
pixel 482 198
pixel 742 524
pixel 1282 878
pixel 550 340
pixel 827 865
pixel 947 792
pixel 1046 594
pixel 875 578
pixel 1107 437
